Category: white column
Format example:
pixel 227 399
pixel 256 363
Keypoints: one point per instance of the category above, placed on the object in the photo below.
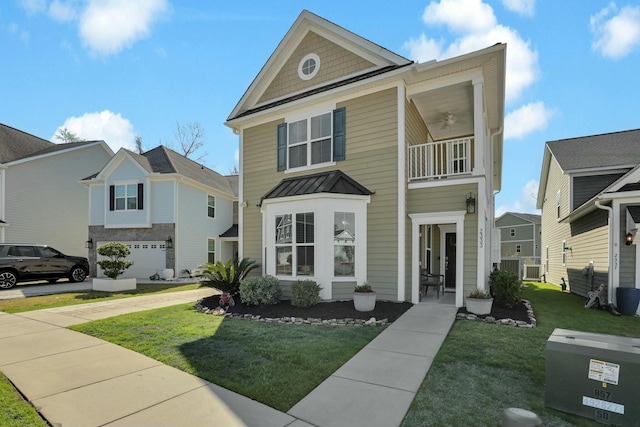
pixel 479 126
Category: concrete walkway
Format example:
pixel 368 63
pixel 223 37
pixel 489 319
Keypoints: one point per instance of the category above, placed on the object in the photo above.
pixel 77 380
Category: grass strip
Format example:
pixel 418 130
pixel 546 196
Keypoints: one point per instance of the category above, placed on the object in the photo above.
pixel 272 363
pixel 16 412
pixel 482 369
pixel 19 305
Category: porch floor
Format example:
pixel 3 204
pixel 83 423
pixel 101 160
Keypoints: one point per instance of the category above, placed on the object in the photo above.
pixel 448 298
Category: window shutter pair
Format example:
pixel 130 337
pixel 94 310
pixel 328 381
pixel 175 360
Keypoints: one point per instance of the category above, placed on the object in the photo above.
pixel 339 141
pixel 112 197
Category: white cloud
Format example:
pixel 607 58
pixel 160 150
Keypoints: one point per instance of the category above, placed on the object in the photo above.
pixel 481 31
pixel 526 203
pixel 108 26
pixel 34 6
pixel 110 127
pixel 526 119
pixel 521 7
pixel 63 11
pixel 617 36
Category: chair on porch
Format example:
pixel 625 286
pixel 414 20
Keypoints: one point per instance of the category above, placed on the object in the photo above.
pixel 428 280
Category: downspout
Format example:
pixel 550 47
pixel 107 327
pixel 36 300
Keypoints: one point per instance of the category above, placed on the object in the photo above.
pixel 493 204
pixel 609 209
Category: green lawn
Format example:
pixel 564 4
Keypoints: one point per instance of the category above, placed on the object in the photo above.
pixel 272 363
pixel 16 412
pixel 19 305
pixel 483 369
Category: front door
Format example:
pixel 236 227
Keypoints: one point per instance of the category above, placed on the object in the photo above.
pixel 450 261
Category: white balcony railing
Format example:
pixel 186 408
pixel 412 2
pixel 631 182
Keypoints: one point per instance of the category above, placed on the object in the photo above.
pixel 440 159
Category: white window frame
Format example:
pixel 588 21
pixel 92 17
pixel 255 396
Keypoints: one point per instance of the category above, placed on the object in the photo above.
pixel 293 243
pixel 210 206
pixel 512 232
pixel 345 243
pixel 564 253
pixel 325 108
pixel 546 267
pixel 558 202
pixel 302 66
pixel 126 186
pixel 323 206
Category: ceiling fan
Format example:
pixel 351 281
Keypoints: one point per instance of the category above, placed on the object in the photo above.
pixel 448 120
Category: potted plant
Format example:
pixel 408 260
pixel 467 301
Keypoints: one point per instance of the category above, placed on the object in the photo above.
pixel 113 266
pixel 479 302
pixel 364 298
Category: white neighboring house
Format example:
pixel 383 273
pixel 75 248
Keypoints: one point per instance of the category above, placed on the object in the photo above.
pixel 41 199
pixel 172 212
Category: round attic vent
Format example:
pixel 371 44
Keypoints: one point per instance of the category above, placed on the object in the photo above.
pixel 309 66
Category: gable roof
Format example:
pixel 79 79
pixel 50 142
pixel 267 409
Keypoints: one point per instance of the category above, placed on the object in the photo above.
pixel 617 149
pixel 378 57
pixel 163 160
pixel 534 218
pixel 18 145
pixel 336 182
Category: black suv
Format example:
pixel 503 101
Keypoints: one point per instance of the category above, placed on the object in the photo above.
pixel 25 262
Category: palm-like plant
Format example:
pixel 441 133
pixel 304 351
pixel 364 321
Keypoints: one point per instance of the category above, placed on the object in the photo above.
pixel 227 276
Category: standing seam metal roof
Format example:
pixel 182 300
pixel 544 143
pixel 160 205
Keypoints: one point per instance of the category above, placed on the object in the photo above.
pixel 335 181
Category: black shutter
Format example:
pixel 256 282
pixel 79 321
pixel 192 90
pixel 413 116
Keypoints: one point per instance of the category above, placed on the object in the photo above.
pixel 140 197
pixel 339 132
pixel 112 197
pixel 282 147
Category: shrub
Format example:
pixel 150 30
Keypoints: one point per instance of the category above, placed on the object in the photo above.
pixel 364 288
pixel 227 276
pixel 116 264
pixel 305 293
pixel 506 288
pixel 259 290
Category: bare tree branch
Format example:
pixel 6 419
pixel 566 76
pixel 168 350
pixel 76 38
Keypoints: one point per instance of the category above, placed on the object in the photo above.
pixel 190 138
pixel 138 143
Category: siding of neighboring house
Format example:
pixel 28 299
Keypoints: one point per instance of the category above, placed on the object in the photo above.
pixel 127 172
pixel 585 187
pixel 554 231
pixel 45 201
pixel 588 242
pixel 162 201
pixel 287 80
pixel 97 204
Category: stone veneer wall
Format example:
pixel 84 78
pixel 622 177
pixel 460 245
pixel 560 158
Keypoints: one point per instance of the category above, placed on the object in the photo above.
pixel 155 233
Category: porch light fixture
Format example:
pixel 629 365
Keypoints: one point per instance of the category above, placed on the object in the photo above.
pixel 89 243
pixel 168 243
pixel 471 203
pixel 628 239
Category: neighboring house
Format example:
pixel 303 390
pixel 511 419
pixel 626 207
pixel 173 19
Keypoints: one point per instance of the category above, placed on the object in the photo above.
pixel 171 211
pixel 519 240
pixel 358 165
pixel 590 200
pixel 41 197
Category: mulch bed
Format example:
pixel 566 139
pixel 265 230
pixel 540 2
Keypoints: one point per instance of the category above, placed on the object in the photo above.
pixel 323 310
pixel 344 310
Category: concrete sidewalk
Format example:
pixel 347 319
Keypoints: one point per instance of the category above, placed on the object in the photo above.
pixel 77 380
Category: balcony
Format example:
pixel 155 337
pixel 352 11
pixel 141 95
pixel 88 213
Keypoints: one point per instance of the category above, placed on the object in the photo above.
pixel 442 159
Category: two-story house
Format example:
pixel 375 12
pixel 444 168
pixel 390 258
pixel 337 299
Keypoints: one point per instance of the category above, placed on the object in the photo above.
pixel 590 200
pixel 519 240
pixel 41 198
pixel 359 165
pixel 171 211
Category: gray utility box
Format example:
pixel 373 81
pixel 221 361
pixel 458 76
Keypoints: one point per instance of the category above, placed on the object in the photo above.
pixel 595 376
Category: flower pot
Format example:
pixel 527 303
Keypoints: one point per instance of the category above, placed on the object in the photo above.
pixel 364 301
pixel 478 306
pixel 113 285
pixel 167 273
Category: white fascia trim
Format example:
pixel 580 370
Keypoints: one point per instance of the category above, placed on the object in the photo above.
pixel 241 199
pixel 402 193
pixel 278 112
pixel 316 196
pixel 445 182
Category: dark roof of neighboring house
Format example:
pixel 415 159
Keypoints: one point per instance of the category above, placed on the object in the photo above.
pixel 231 232
pixel 630 187
pixel 324 182
pixel 17 145
pixel 164 160
pixel 598 151
pixel 320 90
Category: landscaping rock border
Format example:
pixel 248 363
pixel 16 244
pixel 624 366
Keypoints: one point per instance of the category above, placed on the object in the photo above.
pixel 219 311
pixel 509 322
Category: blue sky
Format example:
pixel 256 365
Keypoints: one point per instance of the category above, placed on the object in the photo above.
pixel 114 69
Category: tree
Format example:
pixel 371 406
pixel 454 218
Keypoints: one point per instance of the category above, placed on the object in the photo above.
pixel 190 138
pixel 65 135
pixel 138 143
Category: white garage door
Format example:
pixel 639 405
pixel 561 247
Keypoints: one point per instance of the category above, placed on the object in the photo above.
pixel 148 259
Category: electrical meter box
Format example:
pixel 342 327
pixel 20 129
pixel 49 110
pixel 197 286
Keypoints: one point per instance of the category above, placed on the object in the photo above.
pixel 595 376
